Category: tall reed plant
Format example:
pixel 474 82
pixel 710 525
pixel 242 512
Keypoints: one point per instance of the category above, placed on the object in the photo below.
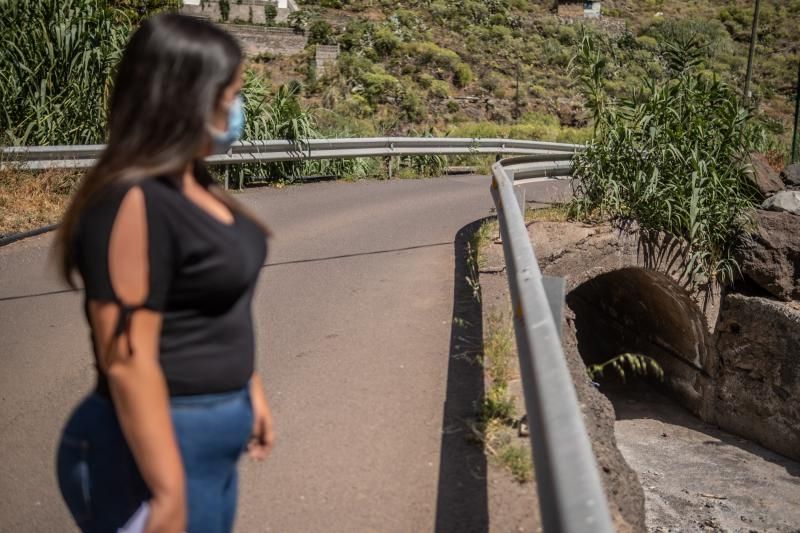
pixel 57 58
pixel 672 157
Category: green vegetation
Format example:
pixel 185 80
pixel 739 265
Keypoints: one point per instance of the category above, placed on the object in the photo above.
pixel 639 365
pixel 673 156
pixel 495 427
pixel 270 14
pixel 496 424
pixel 488 64
pixel 56 59
pixel 497 68
pixel 58 62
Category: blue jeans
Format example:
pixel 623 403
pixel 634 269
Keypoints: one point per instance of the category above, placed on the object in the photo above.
pixel 101 484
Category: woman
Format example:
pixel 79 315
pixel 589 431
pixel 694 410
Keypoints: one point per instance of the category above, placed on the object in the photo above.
pixel 169 263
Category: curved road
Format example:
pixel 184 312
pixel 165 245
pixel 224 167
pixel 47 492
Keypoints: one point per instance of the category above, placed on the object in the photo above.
pixel 353 317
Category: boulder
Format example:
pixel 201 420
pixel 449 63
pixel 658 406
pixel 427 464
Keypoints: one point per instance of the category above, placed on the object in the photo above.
pixel 771 256
pixel 764 176
pixel 758 385
pixel 791 175
pixel 788 201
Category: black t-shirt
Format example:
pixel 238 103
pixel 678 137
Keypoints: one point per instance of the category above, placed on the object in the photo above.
pixel 202 276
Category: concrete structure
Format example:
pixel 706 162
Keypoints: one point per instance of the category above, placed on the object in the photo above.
pixel 325 58
pixel 250 11
pixel 579 8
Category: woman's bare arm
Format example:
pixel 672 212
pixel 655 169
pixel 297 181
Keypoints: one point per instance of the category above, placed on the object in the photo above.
pixel 262 438
pixel 137 383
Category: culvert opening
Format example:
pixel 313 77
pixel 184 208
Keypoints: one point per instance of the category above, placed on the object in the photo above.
pixel 640 311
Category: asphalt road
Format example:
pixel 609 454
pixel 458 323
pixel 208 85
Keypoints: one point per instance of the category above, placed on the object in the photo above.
pixel 353 316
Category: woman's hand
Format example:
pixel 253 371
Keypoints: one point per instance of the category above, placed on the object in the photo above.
pixel 167 514
pixel 263 435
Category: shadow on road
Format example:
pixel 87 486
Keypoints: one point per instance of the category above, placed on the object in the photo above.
pixel 462 504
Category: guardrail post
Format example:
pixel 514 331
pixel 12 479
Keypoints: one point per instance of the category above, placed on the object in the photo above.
pixel 391 160
pixel 519 192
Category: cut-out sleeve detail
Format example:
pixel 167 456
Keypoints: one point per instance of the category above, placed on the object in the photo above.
pixel 126 255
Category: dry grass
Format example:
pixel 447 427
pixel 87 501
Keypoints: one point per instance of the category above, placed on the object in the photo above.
pixel 556 213
pixel 30 200
pixel 496 427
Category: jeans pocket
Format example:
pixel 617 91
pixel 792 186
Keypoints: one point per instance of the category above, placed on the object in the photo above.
pixel 73 477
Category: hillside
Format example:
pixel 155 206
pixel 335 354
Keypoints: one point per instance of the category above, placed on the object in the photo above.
pixel 481 67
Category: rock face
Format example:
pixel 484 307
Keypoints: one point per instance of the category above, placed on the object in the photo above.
pixel 764 177
pixel 791 175
pixel 738 368
pixel 758 381
pixel 772 256
pixel 788 201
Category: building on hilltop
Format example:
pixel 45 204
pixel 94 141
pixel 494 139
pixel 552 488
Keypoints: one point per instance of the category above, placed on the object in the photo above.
pixel 579 8
pixel 248 11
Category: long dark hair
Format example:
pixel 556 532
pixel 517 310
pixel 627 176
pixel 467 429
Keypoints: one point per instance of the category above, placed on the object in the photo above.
pixel 171 76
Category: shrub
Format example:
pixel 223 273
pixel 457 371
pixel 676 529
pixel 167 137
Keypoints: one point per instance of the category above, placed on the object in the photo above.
pixel 298 20
pixel 462 75
pixel 490 81
pixel 320 32
pixel 440 89
pixel 673 157
pixel 537 91
pixel 647 42
pixel 385 42
pixel 428 53
pixel 412 106
pixel 270 14
pixel 425 80
pixel 357 35
pixel 378 86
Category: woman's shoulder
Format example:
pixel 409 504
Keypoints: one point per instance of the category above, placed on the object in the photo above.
pixel 159 200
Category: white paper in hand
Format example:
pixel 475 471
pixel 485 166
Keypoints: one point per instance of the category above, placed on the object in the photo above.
pixel 137 521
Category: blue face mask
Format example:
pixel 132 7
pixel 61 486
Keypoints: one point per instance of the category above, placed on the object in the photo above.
pixel 224 139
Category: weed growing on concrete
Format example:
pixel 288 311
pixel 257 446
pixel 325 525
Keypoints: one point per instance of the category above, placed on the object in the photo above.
pixel 496 424
pixel 556 213
pixel 518 460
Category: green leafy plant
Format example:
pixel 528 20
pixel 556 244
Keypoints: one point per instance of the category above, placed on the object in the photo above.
pixel 224 10
pixel 270 14
pixel 320 32
pixel 673 157
pixel 57 59
pixel 639 365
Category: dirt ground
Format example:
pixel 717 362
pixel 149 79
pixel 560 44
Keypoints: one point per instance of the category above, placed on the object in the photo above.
pixel 699 478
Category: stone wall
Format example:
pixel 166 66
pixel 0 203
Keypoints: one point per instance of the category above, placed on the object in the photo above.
pixel 758 381
pixel 259 39
pixel 325 58
pixel 570 9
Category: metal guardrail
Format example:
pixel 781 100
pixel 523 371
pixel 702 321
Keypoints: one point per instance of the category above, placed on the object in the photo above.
pixel 571 496
pixel 44 157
